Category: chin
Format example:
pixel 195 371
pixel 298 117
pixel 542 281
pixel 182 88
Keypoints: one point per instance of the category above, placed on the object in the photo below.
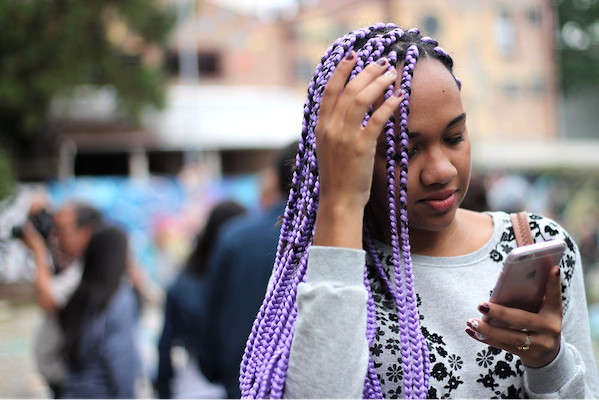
pixel 433 223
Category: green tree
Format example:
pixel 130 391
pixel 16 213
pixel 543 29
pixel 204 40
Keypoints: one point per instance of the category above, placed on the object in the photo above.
pixel 7 180
pixel 578 44
pixel 50 46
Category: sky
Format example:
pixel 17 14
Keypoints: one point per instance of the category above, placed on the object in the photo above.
pixel 259 7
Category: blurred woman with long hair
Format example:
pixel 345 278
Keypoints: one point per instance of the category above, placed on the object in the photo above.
pixel 99 323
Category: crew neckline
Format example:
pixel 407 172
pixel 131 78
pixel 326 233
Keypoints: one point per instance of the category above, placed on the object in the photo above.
pixel 465 260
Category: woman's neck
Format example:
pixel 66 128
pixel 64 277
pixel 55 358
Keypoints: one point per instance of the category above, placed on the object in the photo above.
pixel 468 232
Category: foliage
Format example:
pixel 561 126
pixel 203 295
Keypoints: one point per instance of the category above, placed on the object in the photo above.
pixel 49 46
pixel 578 44
pixel 7 180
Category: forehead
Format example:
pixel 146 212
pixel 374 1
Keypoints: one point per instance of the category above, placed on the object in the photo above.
pixel 435 93
pixel 65 216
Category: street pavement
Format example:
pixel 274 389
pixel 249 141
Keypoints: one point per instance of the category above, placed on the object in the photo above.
pixel 19 320
pixel 18 375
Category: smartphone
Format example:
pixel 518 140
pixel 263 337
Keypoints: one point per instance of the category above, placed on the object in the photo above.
pixel 524 276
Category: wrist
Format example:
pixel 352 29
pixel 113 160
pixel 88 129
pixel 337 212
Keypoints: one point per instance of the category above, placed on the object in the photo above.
pixel 339 224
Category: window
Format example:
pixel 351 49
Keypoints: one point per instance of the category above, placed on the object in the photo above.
pixel 430 26
pixel 95 164
pixel 533 16
pixel 505 34
pixel 209 64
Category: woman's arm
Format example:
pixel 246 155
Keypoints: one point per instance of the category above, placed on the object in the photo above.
pixel 573 374
pixel 329 353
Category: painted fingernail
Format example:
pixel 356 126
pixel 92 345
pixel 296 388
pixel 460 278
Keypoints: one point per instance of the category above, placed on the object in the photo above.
pixel 391 73
pixel 558 272
pixel 471 333
pixel 484 308
pixel 472 323
pixel 350 56
pixel 398 93
pixel 382 62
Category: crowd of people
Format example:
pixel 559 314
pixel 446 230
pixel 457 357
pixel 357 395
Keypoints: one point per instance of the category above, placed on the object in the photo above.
pixel 361 278
pixel 91 293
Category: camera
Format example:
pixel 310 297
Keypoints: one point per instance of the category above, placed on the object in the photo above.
pixel 42 221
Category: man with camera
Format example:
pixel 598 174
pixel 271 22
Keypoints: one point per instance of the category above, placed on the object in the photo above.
pixel 59 242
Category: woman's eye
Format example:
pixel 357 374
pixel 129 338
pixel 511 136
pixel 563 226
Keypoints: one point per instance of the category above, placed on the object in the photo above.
pixel 455 139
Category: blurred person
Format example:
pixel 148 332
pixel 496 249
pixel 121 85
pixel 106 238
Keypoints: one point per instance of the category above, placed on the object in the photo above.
pixel 99 323
pixel 18 263
pixel 239 273
pixel 184 313
pixel 58 272
pixel 270 194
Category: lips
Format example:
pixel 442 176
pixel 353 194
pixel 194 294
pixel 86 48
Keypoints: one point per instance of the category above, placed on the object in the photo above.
pixel 442 201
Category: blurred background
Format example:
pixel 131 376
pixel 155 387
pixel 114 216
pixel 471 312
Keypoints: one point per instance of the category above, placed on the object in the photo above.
pixel 154 110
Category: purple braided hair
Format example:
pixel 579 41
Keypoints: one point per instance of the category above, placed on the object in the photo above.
pixel 264 365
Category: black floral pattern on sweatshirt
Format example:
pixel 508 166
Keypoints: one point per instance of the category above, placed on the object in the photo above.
pixel 498 368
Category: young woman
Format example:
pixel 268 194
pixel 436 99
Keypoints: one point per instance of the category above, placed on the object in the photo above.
pixel 379 271
pixel 99 323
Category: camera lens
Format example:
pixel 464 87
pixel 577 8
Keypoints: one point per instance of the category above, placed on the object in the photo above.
pixel 17 232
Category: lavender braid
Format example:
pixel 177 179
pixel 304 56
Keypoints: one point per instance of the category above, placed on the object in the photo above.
pixel 264 365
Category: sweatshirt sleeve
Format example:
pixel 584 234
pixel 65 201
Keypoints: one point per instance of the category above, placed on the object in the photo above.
pixel 329 352
pixel 573 373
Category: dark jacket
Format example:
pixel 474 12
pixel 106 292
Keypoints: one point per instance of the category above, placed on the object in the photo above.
pixel 184 316
pixel 239 272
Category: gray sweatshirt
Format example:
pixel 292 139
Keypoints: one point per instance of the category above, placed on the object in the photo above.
pixel 329 353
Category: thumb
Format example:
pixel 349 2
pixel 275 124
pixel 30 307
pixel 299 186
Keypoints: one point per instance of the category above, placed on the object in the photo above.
pixel 553 291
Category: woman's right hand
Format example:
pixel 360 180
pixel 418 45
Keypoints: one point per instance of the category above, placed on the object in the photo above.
pixel 345 149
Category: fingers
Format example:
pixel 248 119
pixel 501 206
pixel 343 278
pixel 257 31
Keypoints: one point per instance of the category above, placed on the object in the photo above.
pixel 536 349
pixel 346 105
pixel 336 83
pixel 547 320
pixel 382 114
pixel 505 338
pixel 31 237
pixel 553 292
pixel 364 90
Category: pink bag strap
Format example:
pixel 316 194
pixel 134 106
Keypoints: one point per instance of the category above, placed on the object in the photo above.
pixel 521 228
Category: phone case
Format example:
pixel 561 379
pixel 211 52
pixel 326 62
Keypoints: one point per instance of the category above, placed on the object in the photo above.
pixel 524 275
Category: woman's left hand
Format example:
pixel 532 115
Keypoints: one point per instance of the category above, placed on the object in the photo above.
pixel 535 337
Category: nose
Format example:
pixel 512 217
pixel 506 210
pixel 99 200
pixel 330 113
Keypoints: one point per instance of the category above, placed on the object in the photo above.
pixel 438 168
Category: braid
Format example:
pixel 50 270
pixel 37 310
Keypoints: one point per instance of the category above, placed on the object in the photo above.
pixel 264 365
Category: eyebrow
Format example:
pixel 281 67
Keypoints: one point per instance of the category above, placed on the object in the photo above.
pixel 451 123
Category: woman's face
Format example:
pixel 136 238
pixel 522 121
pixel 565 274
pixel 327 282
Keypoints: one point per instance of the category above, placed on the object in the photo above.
pixel 439 153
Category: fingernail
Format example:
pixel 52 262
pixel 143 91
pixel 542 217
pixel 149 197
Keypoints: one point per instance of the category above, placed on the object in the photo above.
pixel 391 73
pixel 471 333
pixel 350 56
pixel 558 272
pixel 382 62
pixel 484 308
pixel 472 323
pixel 398 93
